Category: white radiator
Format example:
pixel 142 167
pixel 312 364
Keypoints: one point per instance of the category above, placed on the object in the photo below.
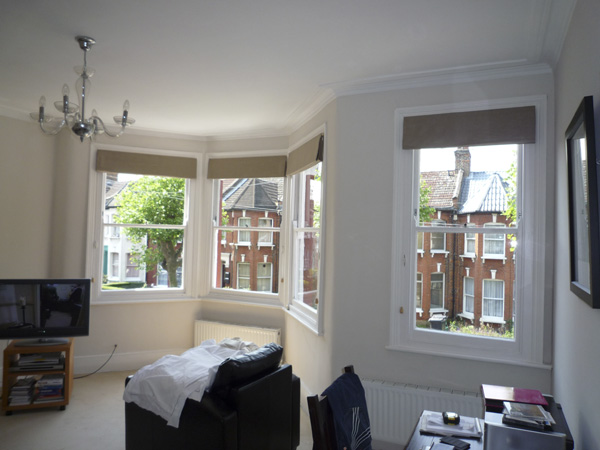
pixel 216 330
pixel 395 408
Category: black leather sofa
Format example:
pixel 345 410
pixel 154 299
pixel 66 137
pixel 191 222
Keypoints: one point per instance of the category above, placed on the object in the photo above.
pixel 253 404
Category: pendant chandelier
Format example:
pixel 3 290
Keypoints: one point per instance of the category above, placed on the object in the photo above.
pixel 73 114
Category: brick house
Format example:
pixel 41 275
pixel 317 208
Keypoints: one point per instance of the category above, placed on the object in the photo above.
pixel 467 275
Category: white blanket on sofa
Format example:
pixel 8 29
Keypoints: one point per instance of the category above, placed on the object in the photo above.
pixel 163 386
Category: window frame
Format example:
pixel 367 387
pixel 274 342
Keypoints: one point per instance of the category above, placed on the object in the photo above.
pixel 488 318
pixel 531 346
pixel 95 246
pixel 312 318
pixel 215 229
pixel 471 295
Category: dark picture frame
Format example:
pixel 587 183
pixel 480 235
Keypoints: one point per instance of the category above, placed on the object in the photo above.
pixel 584 232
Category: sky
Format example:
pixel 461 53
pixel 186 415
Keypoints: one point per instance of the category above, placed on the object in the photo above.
pixel 483 159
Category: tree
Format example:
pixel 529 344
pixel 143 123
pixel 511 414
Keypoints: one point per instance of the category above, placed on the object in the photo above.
pixel 425 211
pixel 154 201
pixel 511 202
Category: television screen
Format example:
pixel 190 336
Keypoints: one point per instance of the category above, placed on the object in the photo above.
pixel 41 309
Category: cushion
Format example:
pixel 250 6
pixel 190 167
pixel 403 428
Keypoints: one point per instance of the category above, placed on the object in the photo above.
pixel 240 368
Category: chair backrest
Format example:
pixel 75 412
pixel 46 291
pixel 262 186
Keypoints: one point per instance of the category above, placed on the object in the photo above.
pixel 321 420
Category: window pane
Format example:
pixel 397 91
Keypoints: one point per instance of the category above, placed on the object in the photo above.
pixel 419 290
pixel 244 236
pixel 243 276
pixel 307 267
pixel 136 252
pixel 251 203
pixel 467 190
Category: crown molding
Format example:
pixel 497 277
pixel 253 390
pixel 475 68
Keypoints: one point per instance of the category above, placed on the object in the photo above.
pixel 439 77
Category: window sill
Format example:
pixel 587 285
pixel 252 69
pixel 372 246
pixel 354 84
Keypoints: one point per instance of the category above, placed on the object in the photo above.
pixel 494 257
pixel 439 252
pixel 467 315
pixel 471 257
pixel 491 319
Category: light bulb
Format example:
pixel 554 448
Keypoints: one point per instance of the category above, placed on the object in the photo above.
pixel 65 90
pixel 42 101
pixel 126 105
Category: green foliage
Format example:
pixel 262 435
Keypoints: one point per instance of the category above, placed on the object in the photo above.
pixel 154 201
pixel 511 191
pixel 425 211
pixel 458 325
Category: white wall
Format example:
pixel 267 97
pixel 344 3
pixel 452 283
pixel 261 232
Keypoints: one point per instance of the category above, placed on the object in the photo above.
pixel 577 326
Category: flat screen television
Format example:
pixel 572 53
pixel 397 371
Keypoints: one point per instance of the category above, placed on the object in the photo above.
pixel 44 311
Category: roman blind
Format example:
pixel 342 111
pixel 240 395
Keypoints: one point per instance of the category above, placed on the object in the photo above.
pixel 251 167
pixel 470 128
pixel 306 156
pixel 146 164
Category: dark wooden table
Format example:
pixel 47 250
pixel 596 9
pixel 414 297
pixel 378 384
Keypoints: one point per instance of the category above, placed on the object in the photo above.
pixel 420 441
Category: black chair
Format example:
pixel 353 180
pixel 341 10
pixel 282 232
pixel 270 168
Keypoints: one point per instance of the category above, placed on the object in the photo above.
pixel 326 413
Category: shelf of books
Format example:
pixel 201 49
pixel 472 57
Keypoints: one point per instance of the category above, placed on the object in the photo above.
pixel 36 376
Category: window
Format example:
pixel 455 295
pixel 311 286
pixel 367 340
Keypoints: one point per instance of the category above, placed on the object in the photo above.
pixel 438 240
pixel 244 236
pixel 513 300
pixel 437 291
pixel 469 297
pixel 419 297
pixel 493 301
pixel 306 180
pixel 494 244
pixel 265 237
pixel 470 248
pixel 243 276
pixel 141 215
pixel 264 277
pixel 242 209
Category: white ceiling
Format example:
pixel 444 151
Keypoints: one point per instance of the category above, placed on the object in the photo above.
pixel 249 67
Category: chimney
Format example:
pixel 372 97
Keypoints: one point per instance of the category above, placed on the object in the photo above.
pixel 462 157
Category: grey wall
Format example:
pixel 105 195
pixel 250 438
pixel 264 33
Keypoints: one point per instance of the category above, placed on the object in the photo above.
pixel 577 326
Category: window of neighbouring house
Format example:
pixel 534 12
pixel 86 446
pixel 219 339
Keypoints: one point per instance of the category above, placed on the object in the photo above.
pixel 468 297
pixel 145 209
pixel 243 276
pixel 264 277
pixel 493 301
pixel 244 236
pixel 471 188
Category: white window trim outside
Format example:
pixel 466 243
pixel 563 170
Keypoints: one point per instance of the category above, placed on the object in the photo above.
pixel 248 220
pixel 95 243
pixel 531 346
pixel 268 243
pixel 442 308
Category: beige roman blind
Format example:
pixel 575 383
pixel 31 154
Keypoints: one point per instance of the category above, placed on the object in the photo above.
pixel 145 164
pixel 471 128
pixel 256 167
pixel 306 156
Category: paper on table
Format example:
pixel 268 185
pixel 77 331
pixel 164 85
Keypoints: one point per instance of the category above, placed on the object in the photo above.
pixel 433 422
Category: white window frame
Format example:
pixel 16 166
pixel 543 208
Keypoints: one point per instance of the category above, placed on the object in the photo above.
pixel 419 290
pixel 486 239
pixel 531 345
pixel 213 224
pixel 268 223
pixel 310 317
pixel 248 220
pixel 437 251
pixel 488 318
pixel 441 308
pixel 238 278
pixel 269 277
pixel 95 232
pixel 466 296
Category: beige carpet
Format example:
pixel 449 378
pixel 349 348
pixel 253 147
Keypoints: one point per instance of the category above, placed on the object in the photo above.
pixel 93 420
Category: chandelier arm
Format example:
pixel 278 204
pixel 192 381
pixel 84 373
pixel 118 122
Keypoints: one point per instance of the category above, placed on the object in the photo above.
pixel 108 133
pixel 53 131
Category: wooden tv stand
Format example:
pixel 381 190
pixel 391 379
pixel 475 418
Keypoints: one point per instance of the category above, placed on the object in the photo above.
pixel 9 377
